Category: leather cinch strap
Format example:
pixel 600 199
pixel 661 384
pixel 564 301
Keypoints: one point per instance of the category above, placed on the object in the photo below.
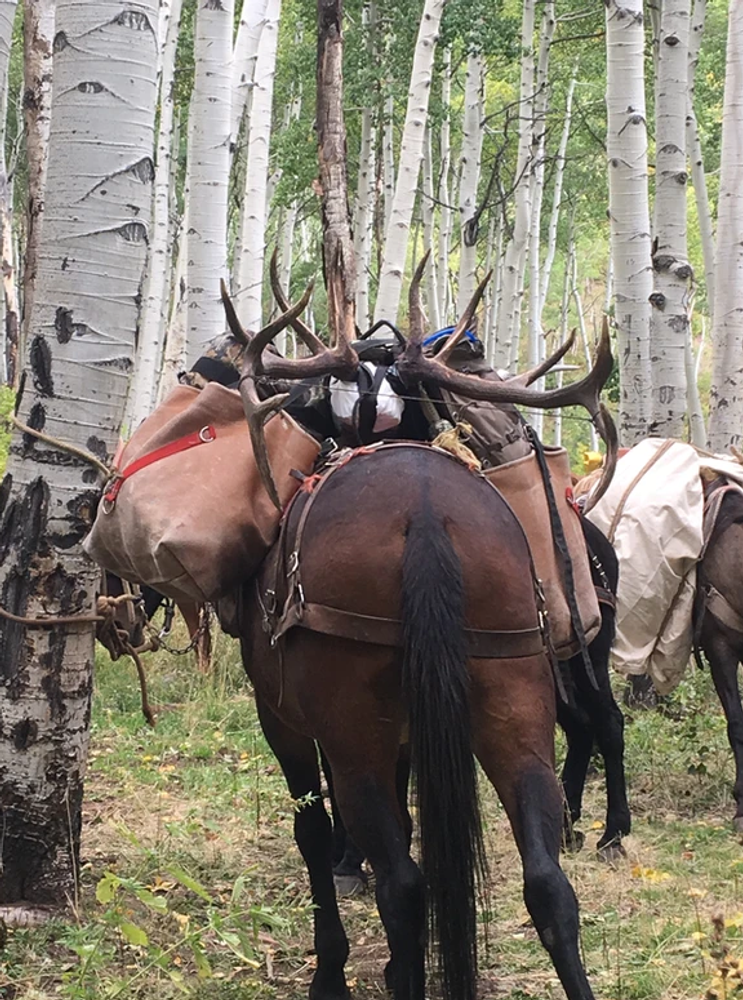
pixel 204 436
pixel 481 644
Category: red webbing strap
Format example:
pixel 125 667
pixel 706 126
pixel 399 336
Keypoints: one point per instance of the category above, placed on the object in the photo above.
pixel 204 436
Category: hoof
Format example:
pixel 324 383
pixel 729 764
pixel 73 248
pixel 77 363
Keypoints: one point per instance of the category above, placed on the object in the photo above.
pixel 738 824
pixel 349 885
pixel 389 977
pixel 573 840
pixel 612 852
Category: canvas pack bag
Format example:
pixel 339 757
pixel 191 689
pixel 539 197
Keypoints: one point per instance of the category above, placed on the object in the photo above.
pixel 521 484
pixel 189 514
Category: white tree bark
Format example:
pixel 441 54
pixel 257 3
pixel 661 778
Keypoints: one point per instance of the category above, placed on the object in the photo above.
pixel 564 317
pixel 157 283
pixel 669 321
pixel 245 54
pixel 497 286
pixel 363 227
pixel 509 315
pixel 388 157
pixel 8 338
pixel 249 288
pixel 428 215
pixel 582 328
pixel 629 211
pixel 557 193
pixel 208 171
pixel 411 155
pixel 38 34
pixel 469 166
pixel 445 212
pixel 696 157
pixel 726 395
pixel 537 344
pixel 98 202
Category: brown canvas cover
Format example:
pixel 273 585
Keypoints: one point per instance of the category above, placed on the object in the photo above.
pixel 520 482
pixel 195 524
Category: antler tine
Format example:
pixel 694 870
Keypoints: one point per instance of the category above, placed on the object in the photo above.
pixel 232 321
pixel 415 310
pixel 260 340
pixel 466 318
pixel 608 431
pixel 308 338
pixel 526 378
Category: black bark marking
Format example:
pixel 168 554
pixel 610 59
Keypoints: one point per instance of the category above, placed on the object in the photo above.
pixel 5 487
pixel 89 476
pixel 134 19
pixel 213 5
pixel 60 42
pixel 36 420
pixel 40 357
pixel 97 446
pixel 24 733
pixel 63 324
pixel 142 170
pixel 82 510
pixel 133 232
pixel 51 683
pixel 13 636
pixel 91 87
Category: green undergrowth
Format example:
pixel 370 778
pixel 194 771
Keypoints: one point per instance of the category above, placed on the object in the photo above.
pixel 191 885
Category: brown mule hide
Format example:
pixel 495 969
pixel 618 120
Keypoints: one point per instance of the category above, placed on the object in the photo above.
pixel 391 532
pixel 719 621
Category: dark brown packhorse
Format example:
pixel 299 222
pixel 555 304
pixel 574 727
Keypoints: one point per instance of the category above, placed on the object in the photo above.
pixel 416 558
pixel 400 599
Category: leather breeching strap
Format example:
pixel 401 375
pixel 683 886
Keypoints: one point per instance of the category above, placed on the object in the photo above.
pixel 297 612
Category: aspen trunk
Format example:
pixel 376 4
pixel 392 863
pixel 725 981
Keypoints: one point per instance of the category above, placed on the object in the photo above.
pixel 8 314
pixel 445 212
pixel 557 194
pixel 726 394
pixel 411 155
pixel 244 56
pixel 629 212
pixel 38 34
pixel 469 165
pixel 249 289
pixel 509 315
pixel 669 326
pixel 428 214
pixel 81 349
pixel 696 157
pixel 152 329
pixel 208 172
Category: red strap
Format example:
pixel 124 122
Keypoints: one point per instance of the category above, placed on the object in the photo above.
pixel 570 497
pixel 204 436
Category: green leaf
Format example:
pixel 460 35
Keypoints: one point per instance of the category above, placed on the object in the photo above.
pixel 107 888
pixel 157 903
pixel 133 934
pixel 203 969
pixel 188 882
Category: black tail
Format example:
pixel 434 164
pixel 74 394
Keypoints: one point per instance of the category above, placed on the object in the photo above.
pixel 436 684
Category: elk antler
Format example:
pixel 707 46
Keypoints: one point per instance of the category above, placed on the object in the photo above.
pixel 414 366
pixel 526 378
pixel 311 341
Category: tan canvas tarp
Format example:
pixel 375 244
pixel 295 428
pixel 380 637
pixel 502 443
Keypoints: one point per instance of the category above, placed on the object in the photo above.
pixel 653 514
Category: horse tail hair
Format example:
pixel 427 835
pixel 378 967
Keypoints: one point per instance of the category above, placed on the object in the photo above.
pixel 436 686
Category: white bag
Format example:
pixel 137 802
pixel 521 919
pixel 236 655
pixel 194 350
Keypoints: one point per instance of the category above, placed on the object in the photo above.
pixel 346 396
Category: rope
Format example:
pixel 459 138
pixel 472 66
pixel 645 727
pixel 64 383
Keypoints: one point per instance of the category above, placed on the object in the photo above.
pixel 64 446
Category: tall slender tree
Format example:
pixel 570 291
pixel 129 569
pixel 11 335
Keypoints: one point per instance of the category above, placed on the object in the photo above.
pixel 626 147
pixel 80 354
pixel 726 394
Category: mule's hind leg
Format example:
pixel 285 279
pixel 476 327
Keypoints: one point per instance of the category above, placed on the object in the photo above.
pixel 579 736
pixel 297 756
pixel 348 873
pixel 722 650
pixel 514 714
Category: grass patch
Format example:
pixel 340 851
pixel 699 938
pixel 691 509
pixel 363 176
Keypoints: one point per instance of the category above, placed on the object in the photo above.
pixel 191 884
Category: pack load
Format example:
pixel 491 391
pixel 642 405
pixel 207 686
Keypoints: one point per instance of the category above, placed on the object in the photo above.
pixel 500 440
pixel 187 512
pixel 653 514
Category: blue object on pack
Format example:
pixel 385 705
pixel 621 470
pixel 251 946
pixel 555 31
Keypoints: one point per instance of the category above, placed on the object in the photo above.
pixel 472 337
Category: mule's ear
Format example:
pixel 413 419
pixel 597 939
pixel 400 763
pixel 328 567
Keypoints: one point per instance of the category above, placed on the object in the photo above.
pixel 232 321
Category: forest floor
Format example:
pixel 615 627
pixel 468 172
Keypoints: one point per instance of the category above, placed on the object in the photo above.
pixel 191 885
